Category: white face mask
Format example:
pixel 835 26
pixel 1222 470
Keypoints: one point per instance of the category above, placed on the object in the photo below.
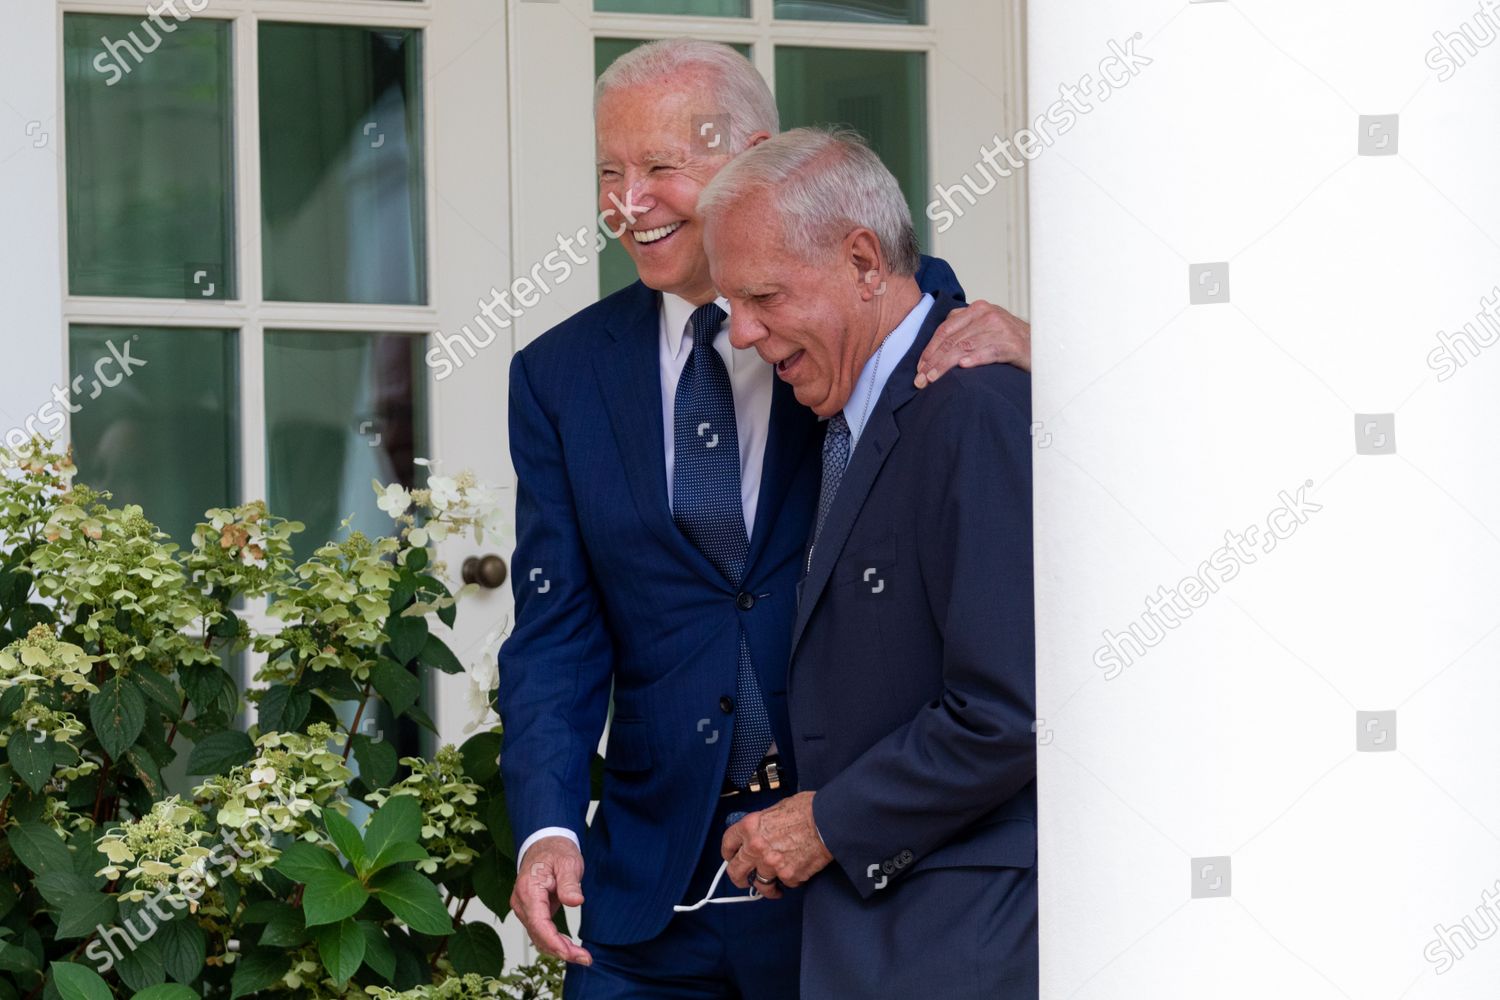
pixel 709 896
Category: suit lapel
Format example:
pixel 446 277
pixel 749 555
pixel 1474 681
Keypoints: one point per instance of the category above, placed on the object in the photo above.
pixel 629 376
pixel 874 447
pixel 793 429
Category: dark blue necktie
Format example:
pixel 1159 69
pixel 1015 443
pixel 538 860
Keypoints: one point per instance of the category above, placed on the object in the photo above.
pixel 836 451
pixel 707 508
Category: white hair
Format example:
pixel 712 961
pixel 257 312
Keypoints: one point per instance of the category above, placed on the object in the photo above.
pixel 823 184
pixel 738 90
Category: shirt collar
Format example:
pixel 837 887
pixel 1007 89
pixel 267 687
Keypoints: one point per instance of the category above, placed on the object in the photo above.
pixel 676 311
pixel 871 381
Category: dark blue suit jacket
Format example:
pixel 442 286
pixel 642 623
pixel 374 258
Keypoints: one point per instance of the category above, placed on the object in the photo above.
pixel 912 697
pixel 609 592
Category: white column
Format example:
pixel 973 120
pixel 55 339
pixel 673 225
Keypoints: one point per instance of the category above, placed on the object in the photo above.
pixel 31 330
pixel 1268 501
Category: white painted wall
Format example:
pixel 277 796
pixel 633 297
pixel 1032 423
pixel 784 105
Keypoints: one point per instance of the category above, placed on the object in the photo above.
pixel 1165 424
pixel 31 332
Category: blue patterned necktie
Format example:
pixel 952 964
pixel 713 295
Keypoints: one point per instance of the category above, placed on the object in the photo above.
pixel 835 460
pixel 707 508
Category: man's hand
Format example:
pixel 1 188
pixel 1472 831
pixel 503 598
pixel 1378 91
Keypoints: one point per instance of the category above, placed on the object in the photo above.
pixel 980 334
pixel 779 843
pixel 550 876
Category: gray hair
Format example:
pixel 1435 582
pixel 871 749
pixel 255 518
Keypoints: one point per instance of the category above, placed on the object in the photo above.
pixel 739 91
pixel 823 183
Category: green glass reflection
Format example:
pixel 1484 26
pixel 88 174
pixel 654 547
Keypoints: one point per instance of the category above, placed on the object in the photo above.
pixel 341 409
pixel 149 157
pixel 344 216
pixel 864 11
pixel 691 8
pixel 165 435
pixel 616 269
pixel 881 95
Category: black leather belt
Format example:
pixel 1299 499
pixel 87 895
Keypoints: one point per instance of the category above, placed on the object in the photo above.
pixel 767 775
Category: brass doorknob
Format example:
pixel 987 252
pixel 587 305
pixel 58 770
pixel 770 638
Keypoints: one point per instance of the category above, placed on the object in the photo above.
pixel 487 571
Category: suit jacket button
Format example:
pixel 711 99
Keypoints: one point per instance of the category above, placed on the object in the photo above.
pixel 888 866
pixel 904 858
pixel 726 704
pixel 745 601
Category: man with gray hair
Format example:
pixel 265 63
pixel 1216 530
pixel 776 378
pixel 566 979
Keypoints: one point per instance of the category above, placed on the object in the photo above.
pixel 912 680
pixel 665 485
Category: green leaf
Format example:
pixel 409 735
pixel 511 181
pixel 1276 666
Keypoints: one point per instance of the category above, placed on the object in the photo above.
pixel 40 848
pixel 341 946
pixel 166 991
pixel 14 958
pixel 57 887
pixel 146 769
pixel 379 955
pixel 332 896
pixel 395 684
pixel 31 759
pixel 346 837
pixel 118 712
pixel 159 689
pixel 79 982
pixel 301 862
pixel 82 913
pixel 494 879
pixel 11 700
pixel 481 754
pixel 218 752
pixel 376 758
pixel 477 948
pixel 435 653
pixel 285 928
pixel 399 819
pixel 396 853
pixel 283 708
pixel 414 900
pixel 257 970
pixel 416 560
pixel 408 636
pixel 184 948
pixel 144 965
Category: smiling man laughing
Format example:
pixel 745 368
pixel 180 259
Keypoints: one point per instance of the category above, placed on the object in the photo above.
pixel 666 481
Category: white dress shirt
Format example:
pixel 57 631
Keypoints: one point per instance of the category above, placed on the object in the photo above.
pixel 751 380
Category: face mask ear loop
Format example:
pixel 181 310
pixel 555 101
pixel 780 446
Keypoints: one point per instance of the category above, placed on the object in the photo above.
pixel 708 897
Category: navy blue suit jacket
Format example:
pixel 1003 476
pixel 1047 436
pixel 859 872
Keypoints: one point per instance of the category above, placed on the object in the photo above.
pixel 912 697
pixel 609 592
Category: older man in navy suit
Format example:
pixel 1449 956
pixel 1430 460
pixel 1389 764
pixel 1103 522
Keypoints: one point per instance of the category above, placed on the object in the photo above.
pixel 666 482
pixel 911 686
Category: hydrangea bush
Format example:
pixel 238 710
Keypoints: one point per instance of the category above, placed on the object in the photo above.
pixel 258 876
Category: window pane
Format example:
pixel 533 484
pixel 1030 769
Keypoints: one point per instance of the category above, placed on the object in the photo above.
pixel 165 435
pixel 341 164
pixel 695 8
pixel 149 158
pixel 876 11
pixel 341 409
pixel 881 95
pixel 616 269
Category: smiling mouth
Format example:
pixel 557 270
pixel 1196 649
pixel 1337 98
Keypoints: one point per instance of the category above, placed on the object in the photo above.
pixel 787 363
pixel 644 236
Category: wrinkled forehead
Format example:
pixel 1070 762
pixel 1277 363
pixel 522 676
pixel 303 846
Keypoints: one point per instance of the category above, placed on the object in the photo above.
pixel 649 122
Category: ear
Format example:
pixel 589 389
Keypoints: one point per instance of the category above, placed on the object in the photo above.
pixel 757 139
pixel 862 251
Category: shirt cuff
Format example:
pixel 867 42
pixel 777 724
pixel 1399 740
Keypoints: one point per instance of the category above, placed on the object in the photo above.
pixel 546 831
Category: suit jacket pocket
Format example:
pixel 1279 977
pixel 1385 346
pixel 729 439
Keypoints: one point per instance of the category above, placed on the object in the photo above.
pixel 629 746
pixel 867 564
pixel 1010 843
